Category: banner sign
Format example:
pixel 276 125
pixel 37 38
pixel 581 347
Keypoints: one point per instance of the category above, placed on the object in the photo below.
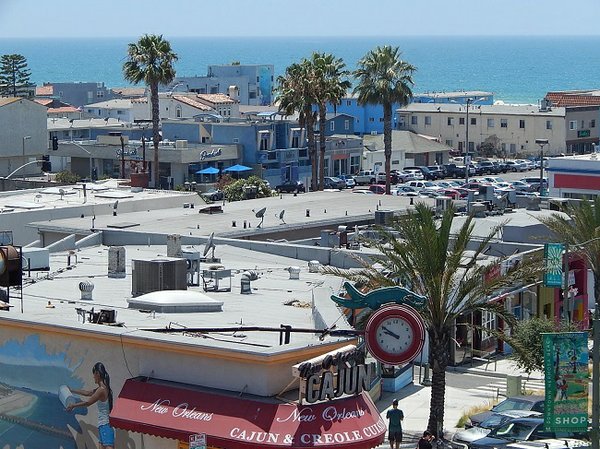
pixel 553 261
pixel 566 377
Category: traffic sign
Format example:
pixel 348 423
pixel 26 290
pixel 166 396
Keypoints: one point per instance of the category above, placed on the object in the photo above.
pixel 198 441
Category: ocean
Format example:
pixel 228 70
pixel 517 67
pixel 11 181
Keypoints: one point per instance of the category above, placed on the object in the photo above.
pixel 516 69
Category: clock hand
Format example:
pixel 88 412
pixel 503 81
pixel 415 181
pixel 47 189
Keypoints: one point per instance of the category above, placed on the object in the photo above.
pixel 389 332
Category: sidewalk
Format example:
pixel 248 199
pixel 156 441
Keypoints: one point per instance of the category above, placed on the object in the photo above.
pixel 414 399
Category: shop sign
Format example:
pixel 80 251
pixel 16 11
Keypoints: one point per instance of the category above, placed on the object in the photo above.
pixel 566 374
pixel 553 262
pixel 132 154
pixel 198 441
pixel 210 154
pixel 583 133
pixel 335 374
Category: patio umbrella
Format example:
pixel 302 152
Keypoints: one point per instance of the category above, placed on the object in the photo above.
pixel 208 171
pixel 237 168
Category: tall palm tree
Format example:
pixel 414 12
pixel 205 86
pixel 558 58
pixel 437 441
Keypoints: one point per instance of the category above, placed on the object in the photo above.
pixel 330 87
pixel 383 78
pixel 151 60
pixel 295 93
pixel 435 260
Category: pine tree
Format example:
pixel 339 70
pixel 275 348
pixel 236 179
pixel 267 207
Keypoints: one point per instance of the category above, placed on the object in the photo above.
pixel 14 75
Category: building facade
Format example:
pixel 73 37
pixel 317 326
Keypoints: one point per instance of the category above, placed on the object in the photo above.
pixel 74 93
pixel 516 127
pixel 574 176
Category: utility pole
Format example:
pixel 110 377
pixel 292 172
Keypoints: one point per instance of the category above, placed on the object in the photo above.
pixel 122 158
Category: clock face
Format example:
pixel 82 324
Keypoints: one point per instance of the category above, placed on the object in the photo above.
pixel 395 334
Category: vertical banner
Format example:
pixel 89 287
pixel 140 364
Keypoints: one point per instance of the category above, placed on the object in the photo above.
pixel 566 377
pixel 553 263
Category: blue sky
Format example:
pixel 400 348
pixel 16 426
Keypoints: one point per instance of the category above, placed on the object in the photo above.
pixel 125 18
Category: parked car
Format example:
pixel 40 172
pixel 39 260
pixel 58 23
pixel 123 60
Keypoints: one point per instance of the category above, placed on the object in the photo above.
pixel 494 420
pixel 415 172
pixel 529 165
pixel 425 172
pixel 534 183
pixel 501 166
pixel 492 179
pixel 404 190
pixel 524 402
pixel 349 180
pixel 519 429
pixel 332 182
pixel 362 191
pixel 515 166
pixel 403 176
pixel 488 167
pixel 521 186
pixel 365 177
pixel 438 170
pixel 290 187
pixel 378 189
pixel 213 195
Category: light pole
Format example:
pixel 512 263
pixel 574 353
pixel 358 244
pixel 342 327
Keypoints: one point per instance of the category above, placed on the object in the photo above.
pixel 541 143
pixel 24 161
pixel 467 159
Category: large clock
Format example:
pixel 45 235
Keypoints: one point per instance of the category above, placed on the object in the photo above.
pixel 395 334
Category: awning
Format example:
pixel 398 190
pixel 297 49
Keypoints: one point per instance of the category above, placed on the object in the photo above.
pixel 177 411
pixel 237 168
pixel 514 291
pixel 208 171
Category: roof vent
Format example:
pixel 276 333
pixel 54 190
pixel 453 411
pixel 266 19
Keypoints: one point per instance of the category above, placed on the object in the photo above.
pixel 176 301
pixel 247 277
pixel 86 288
pixel 174 245
pixel 314 266
pixel 294 272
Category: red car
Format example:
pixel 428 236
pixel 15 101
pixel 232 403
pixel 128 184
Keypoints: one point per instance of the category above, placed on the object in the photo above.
pixel 378 189
pixel 452 193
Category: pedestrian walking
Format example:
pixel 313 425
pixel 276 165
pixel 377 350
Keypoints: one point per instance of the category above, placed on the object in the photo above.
pixel 395 417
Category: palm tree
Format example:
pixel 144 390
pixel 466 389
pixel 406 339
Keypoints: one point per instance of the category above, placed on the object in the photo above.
pixel 383 78
pixel 441 263
pixel 295 93
pixel 330 87
pixel 151 60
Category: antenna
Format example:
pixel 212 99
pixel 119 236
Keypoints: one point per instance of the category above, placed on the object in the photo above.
pixel 210 245
pixel 260 214
pixel 280 216
pixel 115 208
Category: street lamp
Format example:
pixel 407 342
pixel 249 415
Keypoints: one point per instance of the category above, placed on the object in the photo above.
pixel 541 143
pixel 24 161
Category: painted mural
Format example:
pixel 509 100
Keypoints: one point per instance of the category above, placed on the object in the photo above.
pixel 37 379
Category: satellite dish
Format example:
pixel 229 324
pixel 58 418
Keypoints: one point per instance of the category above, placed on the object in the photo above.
pixel 260 214
pixel 280 216
pixel 210 244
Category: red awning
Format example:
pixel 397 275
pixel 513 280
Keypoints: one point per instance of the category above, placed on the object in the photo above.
pixel 177 411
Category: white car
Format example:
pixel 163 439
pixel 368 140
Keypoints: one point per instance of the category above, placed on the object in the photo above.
pixel 417 174
pixel 515 166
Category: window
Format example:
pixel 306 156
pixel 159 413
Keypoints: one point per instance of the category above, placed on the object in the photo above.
pixel 395 162
pixel 295 141
pixel 548 124
pixel 503 147
pixel 573 125
pixel 178 112
pixel 371 119
pixel 427 120
pixel 503 123
pixel 471 147
pixel 449 143
pixel 354 164
pixel 461 121
pixel 236 140
pixel 346 125
pixel 473 121
pixel 264 143
pixel 522 124
pixel 450 121
pixel 413 120
pixel 100 94
pixel 119 112
pixel 348 102
pixel 488 321
pixel 490 123
pixel 592 123
pixel 513 148
pixel 332 126
pixel 380 119
pixel 303 152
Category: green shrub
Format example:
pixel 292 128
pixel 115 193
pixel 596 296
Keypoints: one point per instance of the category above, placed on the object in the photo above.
pixel 66 177
pixel 235 191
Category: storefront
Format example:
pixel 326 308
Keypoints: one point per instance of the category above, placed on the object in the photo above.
pixel 164 411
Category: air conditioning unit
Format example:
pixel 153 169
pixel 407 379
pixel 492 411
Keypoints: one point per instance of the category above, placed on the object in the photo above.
pixel 442 203
pixel 167 273
pixel 192 261
pixel 373 133
pixel 181 144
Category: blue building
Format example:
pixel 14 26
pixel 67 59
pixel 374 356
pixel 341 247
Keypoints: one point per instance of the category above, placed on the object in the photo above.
pixel 369 117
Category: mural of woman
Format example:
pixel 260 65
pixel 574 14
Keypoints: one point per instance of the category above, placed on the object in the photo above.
pixel 102 395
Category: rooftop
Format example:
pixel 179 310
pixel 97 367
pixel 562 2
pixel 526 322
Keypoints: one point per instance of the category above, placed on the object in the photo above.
pixel 505 109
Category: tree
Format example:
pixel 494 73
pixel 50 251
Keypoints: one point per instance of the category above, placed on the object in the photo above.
pixel 330 87
pixel 151 60
pixel 383 78
pixel 14 74
pixel 490 147
pixel 295 93
pixel 526 340
pixel 444 268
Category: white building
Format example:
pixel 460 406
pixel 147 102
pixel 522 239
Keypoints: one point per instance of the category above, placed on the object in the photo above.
pixel 517 126
pixel 574 176
pixel 125 110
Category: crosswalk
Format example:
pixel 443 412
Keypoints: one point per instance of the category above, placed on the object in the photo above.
pixel 497 388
